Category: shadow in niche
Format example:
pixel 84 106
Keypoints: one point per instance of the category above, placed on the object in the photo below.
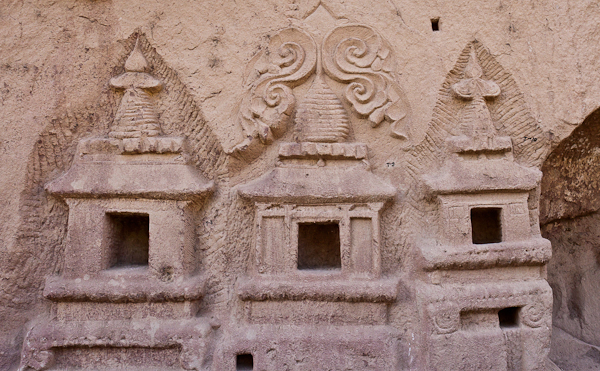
pixel 570 219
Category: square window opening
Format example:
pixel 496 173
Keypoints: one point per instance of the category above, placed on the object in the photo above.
pixel 244 362
pixel 129 236
pixel 509 317
pixel 319 246
pixel 486 225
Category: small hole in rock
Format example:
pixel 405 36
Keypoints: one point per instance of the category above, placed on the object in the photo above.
pixel 435 24
pixel 244 362
pixel 509 317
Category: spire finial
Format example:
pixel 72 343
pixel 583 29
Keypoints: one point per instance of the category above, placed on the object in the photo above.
pixel 136 61
pixel 137 116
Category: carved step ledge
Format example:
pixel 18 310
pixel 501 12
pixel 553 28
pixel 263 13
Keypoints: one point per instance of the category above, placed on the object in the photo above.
pixel 349 290
pixel 357 151
pixel 536 251
pixel 125 289
pixel 319 347
pixel 188 338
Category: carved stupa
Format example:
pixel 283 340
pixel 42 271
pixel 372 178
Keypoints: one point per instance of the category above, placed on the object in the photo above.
pixel 317 245
pixel 485 225
pixel 136 116
pixel 132 194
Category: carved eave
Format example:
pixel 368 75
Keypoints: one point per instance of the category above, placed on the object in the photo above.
pixel 315 184
pixel 477 176
pixel 168 181
pixel 106 168
pixel 335 290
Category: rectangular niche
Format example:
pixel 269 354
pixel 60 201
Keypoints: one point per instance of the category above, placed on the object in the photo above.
pixel 509 317
pixel 244 362
pixel 128 239
pixel 486 225
pixel 296 240
pixel 319 246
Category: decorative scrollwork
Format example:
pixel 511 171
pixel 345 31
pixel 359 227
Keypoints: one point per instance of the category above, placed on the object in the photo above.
pixel 358 56
pixel 446 319
pixel 266 111
pixel 533 314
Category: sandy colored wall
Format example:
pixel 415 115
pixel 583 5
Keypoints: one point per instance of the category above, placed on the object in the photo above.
pixel 56 58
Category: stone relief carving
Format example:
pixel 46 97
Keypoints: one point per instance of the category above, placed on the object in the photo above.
pixel 266 111
pixel 137 115
pixel 446 318
pixel 136 173
pixel 354 55
pixel 484 175
pixel 476 121
pixel 321 117
pixel 359 57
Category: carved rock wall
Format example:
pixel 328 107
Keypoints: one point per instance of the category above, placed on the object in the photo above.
pixel 57 60
pixel 569 214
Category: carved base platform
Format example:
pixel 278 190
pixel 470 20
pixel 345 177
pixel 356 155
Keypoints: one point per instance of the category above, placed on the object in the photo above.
pixel 322 347
pixel 486 326
pixel 146 344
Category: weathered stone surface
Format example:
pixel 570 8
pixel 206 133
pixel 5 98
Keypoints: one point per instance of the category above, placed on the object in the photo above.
pixel 228 129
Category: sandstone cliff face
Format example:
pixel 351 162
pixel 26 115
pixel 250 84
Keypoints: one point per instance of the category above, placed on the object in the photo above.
pixel 540 67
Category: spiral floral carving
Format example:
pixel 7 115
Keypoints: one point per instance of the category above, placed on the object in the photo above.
pixel 266 111
pixel 358 56
pixel 533 315
pixel 446 320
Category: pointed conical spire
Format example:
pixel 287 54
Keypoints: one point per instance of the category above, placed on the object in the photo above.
pixel 321 116
pixel 136 116
pixel 476 121
pixel 473 85
pixel 136 61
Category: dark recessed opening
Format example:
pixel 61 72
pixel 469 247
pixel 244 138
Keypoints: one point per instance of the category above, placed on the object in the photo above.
pixel 509 317
pixel 244 362
pixel 319 246
pixel 129 239
pixel 435 24
pixel 486 225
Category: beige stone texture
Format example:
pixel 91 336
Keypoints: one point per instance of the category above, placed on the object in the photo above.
pixel 299 185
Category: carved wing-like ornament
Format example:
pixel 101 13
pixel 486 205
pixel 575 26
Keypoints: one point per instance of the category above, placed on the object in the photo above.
pixel 359 57
pixel 267 108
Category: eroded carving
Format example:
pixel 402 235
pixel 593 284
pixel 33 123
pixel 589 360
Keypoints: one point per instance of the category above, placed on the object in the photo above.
pixel 476 121
pixel 104 297
pixel 358 56
pixel 534 314
pixel 266 111
pixel 137 115
pixel 482 189
pixel 446 318
pixel 354 55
